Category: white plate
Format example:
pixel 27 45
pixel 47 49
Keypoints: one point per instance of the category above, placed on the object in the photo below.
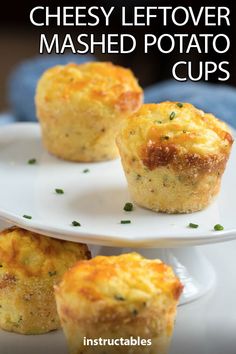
pixel 96 199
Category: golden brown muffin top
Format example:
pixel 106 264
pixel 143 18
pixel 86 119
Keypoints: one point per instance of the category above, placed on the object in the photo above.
pixel 127 278
pixel 161 133
pixel 109 84
pixel 25 252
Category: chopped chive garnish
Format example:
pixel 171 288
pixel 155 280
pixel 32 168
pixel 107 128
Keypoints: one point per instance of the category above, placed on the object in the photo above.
pixel 128 207
pixel 193 226
pixel 135 312
pixel 52 273
pixel 125 222
pixel 172 115
pixel 76 223
pixel 86 170
pixel 158 121
pixel 166 137
pixel 179 104
pixel 218 227
pixel 32 161
pixel 119 297
pixel 59 191
pixel 27 216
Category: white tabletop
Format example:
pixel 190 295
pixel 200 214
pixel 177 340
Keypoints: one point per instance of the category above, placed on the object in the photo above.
pixel 208 325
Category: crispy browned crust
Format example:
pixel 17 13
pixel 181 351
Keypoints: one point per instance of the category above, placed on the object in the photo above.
pixel 154 155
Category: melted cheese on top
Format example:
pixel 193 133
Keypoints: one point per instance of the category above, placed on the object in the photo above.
pixel 127 278
pixel 181 125
pixel 103 82
pixel 29 254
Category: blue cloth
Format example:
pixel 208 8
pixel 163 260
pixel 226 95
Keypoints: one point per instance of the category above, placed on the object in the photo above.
pixel 23 80
pixel 217 99
pixel 6 118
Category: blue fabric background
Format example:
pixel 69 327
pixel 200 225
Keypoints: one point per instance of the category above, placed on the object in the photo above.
pixel 214 98
pixel 23 80
pixel 217 99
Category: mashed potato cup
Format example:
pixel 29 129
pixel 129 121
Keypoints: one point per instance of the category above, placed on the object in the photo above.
pixel 174 156
pixel 118 297
pixel 30 265
pixel 81 109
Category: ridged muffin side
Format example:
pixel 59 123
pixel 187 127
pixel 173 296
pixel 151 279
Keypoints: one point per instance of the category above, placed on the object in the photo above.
pixel 30 265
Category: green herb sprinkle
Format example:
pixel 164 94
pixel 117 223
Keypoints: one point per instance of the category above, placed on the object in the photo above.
pixel 32 161
pixel 59 191
pixel 128 207
pixel 119 297
pixel 193 226
pixel 218 227
pixel 27 216
pixel 75 223
pixel 172 115
pixel 125 222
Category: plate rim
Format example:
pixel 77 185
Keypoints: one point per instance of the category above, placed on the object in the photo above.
pixel 99 238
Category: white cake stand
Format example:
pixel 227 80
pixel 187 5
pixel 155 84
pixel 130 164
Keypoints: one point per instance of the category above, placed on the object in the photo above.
pixel 96 198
